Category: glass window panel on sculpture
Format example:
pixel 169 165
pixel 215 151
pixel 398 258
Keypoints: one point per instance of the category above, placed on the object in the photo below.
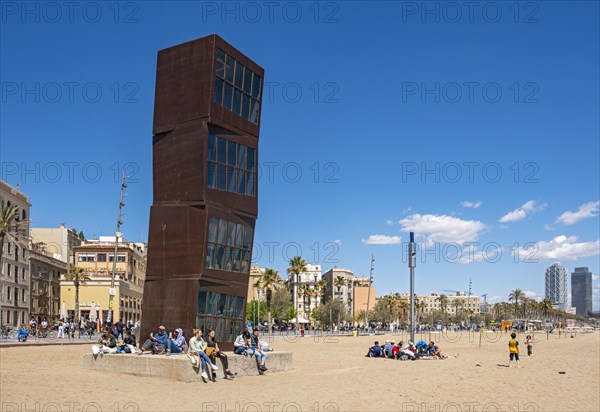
pixel 221 306
pixel 247 238
pixel 239 75
pixel 256 86
pixel 219 91
pixel 228 96
pixel 247 81
pixel 230 305
pixel 239 306
pixel 231 233
pixel 241 156
pixel 237 254
pixel 241 182
pixel 228 264
pixel 237 102
pixel 222 233
pixel 219 329
pixel 212 147
pixel 245 263
pixel 211 175
pixel 231 153
pixel 221 150
pixel 202 302
pixel 210 254
pixel 221 177
pixel 250 159
pixel 220 63
pixel 219 257
pixel 229 68
pixel 231 183
pixel 253 111
pixel 213 298
pixel 250 188
pixel 246 106
pixel 239 236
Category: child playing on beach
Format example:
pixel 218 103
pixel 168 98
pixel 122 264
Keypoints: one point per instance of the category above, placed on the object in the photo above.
pixel 513 347
pixel 529 343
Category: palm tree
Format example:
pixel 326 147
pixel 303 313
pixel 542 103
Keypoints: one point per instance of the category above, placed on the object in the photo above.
pixel 516 296
pixel 443 299
pixel 403 306
pixel 320 288
pixel 79 277
pixel 297 266
pixel 339 282
pixel 268 281
pixel 305 292
pixel 9 223
pixel 546 307
pixel 419 306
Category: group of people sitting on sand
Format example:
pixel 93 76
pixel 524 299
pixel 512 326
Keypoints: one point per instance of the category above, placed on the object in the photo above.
pixel 421 350
pixel 200 352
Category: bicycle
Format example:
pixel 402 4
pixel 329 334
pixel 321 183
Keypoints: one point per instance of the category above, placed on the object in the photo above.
pixel 9 333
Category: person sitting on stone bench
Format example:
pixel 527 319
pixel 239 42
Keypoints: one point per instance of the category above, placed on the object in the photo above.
pixel 106 344
pixel 197 347
pixel 217 353
pixel 256 350
pixel 242 344
pixel 176 344
pixel 161 338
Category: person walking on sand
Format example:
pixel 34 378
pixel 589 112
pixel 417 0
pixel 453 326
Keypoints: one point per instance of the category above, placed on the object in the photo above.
pixel 513 347
pixel 529 344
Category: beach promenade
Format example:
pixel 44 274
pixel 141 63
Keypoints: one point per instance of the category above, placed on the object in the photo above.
pixel 330 373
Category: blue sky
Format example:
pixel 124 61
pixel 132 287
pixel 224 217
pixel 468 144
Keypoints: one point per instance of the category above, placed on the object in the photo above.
pixel 476 126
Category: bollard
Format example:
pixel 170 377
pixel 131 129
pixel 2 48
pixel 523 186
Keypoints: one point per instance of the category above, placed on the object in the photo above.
pixel 480 335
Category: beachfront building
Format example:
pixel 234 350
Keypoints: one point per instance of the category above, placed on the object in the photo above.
pixel 254 291
pixel 581 291
pixel 556 285
pixel 340 285
pixel 97 257
pixel 59 242
pixel 306 280
pixel 46 271
pixel 460 302
pixel 14 268
pixel 363 295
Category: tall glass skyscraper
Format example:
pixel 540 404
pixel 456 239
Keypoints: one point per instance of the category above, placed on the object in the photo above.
pixel 556 285
pixel 581 290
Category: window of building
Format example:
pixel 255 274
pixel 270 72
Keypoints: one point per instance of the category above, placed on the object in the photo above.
pixel 101 257
pixel 8 247
pixel 16 253
pixel 237 88
pixel 89 257
pixel 231 166
pixel 16 295
pixel 16 270
pixel 120 258
pixel 23 295
pixel 228 246
pixel 8 271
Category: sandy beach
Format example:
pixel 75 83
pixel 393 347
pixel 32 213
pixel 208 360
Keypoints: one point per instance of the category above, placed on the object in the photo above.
pixel 330 374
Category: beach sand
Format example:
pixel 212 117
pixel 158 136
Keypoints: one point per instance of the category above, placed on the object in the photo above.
pixel 330 374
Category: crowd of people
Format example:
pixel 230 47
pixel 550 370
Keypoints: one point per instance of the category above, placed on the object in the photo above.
pixel 201 353
pixel 411 351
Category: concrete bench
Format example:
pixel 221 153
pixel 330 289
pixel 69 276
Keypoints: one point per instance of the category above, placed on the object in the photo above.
pixel 178 367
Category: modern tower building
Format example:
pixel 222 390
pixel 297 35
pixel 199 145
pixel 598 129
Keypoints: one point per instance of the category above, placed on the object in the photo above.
pixel 581 291
pixel 205 152
pixel 556 285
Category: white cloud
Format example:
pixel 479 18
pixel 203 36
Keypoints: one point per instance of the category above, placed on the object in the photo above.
pixel 405 211
pixel 473 205
pixel 382 240
pixel 530 294
pixel 559 248
pixel 389 222
pixel 521 212
pixel 497 299
pixel 442 228
pixel 548 227
pixel 337 242
pixel 585 211
pixel 595 277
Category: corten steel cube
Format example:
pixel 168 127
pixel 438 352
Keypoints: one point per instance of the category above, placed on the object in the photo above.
pixel 205 153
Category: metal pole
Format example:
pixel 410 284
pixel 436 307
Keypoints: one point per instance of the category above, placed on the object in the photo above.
pixel 111 292
pixel 369 293
pixel 411 265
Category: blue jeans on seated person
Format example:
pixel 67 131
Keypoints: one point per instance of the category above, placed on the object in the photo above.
pixel 203 359
pixel 123 349
pixel 260 356
pixel 172 347
pixel 240 350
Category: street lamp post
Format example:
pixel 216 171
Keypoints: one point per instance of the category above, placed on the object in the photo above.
pixel 369 292
pixel 412 262
pixel 118 234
